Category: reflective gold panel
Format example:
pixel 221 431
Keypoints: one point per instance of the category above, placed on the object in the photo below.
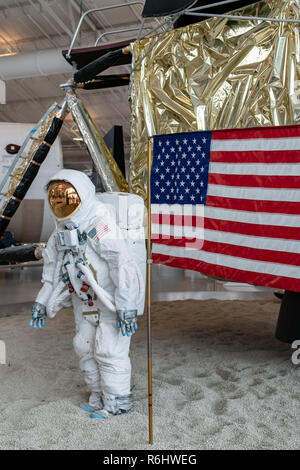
pixel 216 74
pixel 63 199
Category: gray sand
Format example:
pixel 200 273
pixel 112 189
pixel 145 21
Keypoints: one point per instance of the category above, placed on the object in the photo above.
pixel 220 381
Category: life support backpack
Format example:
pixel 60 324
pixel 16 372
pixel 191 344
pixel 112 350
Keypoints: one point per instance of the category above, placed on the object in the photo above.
pixel 128 212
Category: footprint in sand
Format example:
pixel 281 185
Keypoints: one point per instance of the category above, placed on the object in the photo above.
pixel 270 391
pixel 227 375
pixel 225 387
pixel 220 407
pixel 267 392
pixel 202 375
pixel 195 395
pixel 282 373
pixel 256 382
pixel 171 380
pixel 237 396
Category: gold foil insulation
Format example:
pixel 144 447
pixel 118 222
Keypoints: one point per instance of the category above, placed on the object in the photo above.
pixel 19 172
pixel 216 74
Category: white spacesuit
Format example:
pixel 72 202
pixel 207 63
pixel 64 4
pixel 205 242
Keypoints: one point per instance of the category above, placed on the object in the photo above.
pixel 90 262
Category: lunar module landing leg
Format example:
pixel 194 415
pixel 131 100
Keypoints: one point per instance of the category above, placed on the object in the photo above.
pixel 25 167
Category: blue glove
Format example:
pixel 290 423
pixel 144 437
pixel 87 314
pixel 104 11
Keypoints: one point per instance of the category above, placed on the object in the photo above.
pixel 38 315
pixel 127 321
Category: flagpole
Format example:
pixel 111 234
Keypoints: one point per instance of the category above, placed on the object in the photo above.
pixel 149 261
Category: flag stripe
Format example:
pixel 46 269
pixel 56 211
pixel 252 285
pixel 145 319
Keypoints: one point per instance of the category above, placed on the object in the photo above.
pixel 239 240
pixel 259 169
pixel 234 262
pixel 254 145
pixel 178 209
pixel 228 249
pixel 266 255
pixel 272 231
pixel 248 205
pixel 264 194
pixel 255 181
pixel 257 132
pixel 193 243
pixel 226 214
pixel 173 219
pixel 176 230
pixel 267 157
pixel 238 275
pixel 101 230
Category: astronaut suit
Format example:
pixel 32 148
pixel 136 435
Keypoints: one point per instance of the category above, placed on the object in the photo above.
pixel 90 263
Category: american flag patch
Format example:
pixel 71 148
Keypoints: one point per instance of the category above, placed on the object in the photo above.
pixel 99 231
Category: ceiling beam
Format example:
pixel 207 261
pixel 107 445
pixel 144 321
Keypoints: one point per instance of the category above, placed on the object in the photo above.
pixel 71 14
pixel 11 12
pixel 58 34
pixel 26 16
pixel 38 11
pixel 133 9
pixel 88 21
pixel 57 19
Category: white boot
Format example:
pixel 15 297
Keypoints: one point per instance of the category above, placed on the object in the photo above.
pixel 113 405
pixel 94 403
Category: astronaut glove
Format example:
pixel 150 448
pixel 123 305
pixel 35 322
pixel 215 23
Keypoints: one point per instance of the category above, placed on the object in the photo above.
pixel 38 315
pixel 127 321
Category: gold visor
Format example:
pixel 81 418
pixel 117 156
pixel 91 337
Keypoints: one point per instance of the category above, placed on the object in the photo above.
pixel 63 199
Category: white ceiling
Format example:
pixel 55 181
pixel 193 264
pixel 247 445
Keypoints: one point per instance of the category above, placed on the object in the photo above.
pixel 31 25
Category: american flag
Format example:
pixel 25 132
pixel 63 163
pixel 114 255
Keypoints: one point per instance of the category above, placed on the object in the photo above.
pixel 227 203
pixel 100 230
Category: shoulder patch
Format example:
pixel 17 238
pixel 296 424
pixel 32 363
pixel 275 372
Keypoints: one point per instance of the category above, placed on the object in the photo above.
pixel 99 231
